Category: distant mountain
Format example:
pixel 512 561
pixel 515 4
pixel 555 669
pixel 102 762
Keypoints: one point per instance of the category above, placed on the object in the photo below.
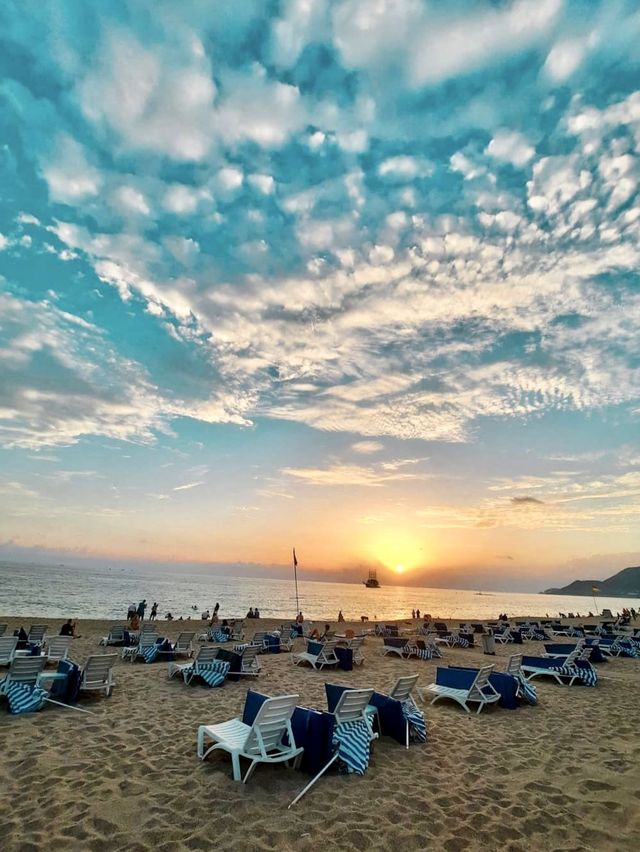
pixel 625 583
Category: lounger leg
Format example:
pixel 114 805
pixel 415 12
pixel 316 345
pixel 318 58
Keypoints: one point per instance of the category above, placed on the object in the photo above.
pixel 407 733
pixel 201 742
pixel 254 763
pixel 235 762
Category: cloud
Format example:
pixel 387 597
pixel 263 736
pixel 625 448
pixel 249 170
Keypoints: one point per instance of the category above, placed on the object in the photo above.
pixel 299 206
pixel 53 394
pixel 367 447
pixel 69 175
pixel 346 474
pixel 511 147
pixel 526 501
pixel 188 486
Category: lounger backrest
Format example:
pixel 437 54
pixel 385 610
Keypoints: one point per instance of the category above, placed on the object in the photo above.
pixel 184 640
pixel 258 637
pixel 352 705
pixel 148 638
pixel 3 629
pixel 585 653
pixel 58 646
pixel 513 664
pixel 8 645
pixel 356 642
pixel 26 669
pixel 148 627
pixel 329 648
pixel 37 632
pixel 271 723
pixel 206 654
pixel 572 656
pixel 116 634
pixel 97 668
pixel 249 655
pixel 402 688
pixel 482 679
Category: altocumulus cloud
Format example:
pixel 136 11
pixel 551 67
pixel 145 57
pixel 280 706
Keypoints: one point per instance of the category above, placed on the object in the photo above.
pixel 357 216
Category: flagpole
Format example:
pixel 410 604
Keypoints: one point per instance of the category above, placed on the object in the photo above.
pixel 295 578
pixel 593 592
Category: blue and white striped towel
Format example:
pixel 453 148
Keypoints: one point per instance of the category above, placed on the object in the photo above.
pixel 461 641
pixel 526 690
pixel 352 739
pixel 220 636
pixel 586 674
pixel 415 718
pixel 22 697
pixel 213 673
pixel 240 648
pixel 421 653
pixel 148 652
pixel 625 648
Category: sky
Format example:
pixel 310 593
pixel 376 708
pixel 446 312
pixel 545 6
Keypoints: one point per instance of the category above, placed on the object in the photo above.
pixel 359 277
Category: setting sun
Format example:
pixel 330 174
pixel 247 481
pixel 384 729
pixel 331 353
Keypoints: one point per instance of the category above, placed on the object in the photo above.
pixel 399 569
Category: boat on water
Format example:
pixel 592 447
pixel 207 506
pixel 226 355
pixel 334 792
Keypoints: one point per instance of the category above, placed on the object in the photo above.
pixel 372 581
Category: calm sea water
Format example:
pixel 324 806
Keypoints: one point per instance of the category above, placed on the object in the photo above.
pixel 89 592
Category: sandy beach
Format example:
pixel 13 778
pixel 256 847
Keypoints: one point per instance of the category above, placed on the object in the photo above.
pixel 559 776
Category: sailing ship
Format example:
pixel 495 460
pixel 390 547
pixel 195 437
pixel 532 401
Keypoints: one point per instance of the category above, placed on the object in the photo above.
pixel 372 581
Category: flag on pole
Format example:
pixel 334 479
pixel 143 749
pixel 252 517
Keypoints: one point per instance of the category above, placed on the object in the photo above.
pixel 295 561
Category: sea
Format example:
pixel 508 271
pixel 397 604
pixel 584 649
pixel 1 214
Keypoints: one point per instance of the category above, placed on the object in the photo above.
pixel 63 591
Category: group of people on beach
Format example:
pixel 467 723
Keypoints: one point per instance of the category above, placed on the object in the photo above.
pixel 415 614
pixel 253 613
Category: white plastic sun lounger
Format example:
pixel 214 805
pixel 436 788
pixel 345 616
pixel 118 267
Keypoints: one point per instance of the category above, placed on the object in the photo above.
pixel 401 691
pixel 37 633
pixel 26 670
pixel 355 645
pixel 579 653
pixel 480 691
pixel 97 673
pixel 184 645
pixel 206 654
pixel 250 661
pixel 58 648
pixel 8 645
pixel 504 636
pixel 513 665
pixel 269 740
pixel 326 656
pixel 351 706
pixel 115 637
pixel 3 629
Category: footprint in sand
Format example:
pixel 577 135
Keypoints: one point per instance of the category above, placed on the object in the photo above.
pixel 596 786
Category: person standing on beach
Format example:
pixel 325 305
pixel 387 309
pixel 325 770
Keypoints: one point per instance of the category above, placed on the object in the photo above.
pixel 413 613
pixel 154 611
pixel 142 607
pixel 340 616
pixel 417 613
